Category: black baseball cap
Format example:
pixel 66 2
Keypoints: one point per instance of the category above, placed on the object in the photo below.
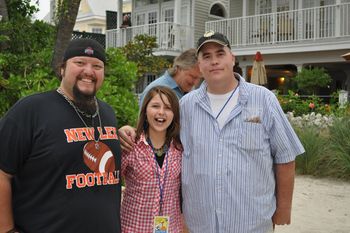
pixel 85 47
pixel 211 36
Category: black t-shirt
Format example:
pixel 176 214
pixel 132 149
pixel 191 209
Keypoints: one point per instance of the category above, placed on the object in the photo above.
pixel 160 159
pixel 55 187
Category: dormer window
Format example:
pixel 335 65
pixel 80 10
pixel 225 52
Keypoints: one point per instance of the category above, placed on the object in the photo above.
pixel 217 10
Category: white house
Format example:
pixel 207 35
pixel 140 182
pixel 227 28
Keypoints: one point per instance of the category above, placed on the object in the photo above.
pixel 92 14
pixel 290 34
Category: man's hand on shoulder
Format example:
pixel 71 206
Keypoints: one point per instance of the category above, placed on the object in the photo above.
pixel 127 136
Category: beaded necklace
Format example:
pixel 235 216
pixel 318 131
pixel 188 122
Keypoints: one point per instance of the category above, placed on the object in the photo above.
pixel 160 151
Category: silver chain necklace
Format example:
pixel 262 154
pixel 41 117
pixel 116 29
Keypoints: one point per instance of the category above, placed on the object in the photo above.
pixel 97 113
pixel 59 90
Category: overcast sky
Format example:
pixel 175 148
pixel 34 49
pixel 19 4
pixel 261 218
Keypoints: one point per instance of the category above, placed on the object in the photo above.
pixel 44 7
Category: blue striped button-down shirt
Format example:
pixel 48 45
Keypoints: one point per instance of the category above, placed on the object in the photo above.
pixel 227 175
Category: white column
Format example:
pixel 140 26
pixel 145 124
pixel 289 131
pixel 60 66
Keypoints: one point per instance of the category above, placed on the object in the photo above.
pixel 245 8
pixel 120 12
pixel 300 4
pixel 299 67
pixel 337 19
pixel 300 33
pixel 177 21
pixel 244 14
pixel 177 11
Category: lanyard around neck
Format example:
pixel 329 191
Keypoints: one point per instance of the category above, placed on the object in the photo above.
pixel 161 187
pixel 223 107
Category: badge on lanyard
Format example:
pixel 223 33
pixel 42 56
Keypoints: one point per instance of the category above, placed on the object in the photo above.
pixel 161 224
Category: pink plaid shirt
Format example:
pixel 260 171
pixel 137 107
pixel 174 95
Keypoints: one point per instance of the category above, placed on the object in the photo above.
pixel 142 194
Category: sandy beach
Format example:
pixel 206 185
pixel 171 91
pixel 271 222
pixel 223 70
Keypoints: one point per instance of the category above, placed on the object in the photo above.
pixel 319 206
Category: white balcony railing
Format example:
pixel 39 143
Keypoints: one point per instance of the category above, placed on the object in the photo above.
pixel 170 36
pixel 285 27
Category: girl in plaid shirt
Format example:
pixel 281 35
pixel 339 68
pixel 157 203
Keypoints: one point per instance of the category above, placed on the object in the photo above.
pixel 151 200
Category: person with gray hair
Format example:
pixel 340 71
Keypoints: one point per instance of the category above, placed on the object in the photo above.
pixel 181 77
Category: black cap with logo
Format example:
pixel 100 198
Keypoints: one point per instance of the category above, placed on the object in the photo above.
pixel 212 36
pixel 85 47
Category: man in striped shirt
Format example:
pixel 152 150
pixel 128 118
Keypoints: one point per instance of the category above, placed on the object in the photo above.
pixel 239 150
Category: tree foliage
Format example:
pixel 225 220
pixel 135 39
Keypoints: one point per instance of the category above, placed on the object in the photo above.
pixel 140 50
pixel 310 80
pixel 25 58
pixel 20 9
pixel 118 86
pixel 17 28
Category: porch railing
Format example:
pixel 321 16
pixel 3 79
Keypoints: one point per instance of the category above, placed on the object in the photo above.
pixel 170 36
pixel 289 26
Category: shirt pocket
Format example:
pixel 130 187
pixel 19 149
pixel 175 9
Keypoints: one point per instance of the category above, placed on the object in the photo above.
pixel 144 167
pixel 175 166
pixel 252 136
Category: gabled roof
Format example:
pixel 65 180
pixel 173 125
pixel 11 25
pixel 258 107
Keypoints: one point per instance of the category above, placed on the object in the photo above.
pixel 98 8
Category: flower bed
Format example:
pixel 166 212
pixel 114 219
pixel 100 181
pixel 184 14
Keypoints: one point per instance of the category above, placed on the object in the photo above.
pixel 311 119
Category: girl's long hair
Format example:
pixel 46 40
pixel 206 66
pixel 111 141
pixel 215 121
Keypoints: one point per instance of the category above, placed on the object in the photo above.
pixel 173 131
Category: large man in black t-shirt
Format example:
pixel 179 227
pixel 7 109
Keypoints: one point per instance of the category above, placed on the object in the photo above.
pixel 60 154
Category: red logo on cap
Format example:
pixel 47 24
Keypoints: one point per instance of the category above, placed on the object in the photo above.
pixel 89 51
